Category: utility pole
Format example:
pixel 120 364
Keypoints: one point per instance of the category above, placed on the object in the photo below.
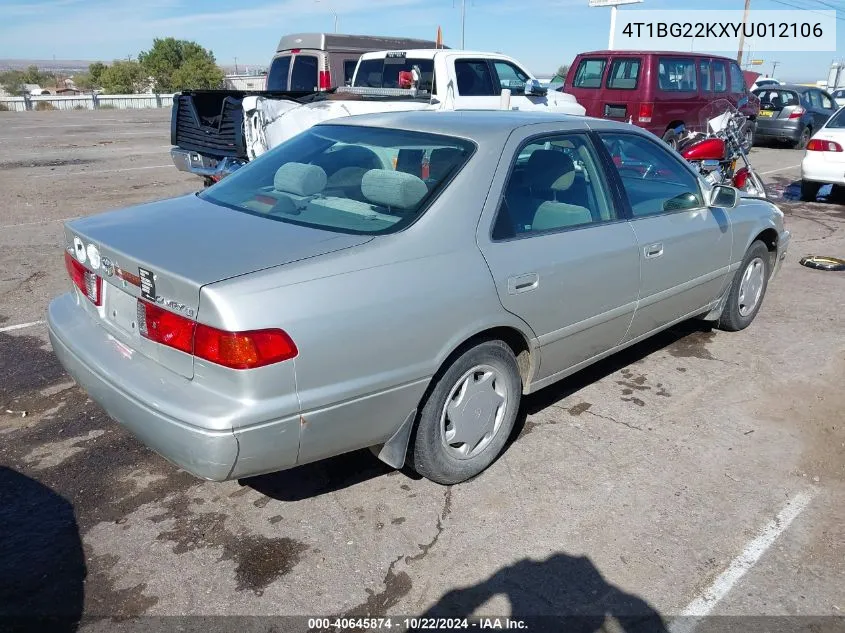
pixel 774 66
pixel 742 34
pixel 236 65
pixel 463 23
pixel 335 20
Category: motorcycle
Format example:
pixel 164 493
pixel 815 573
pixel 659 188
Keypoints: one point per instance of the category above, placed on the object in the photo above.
pixel 720 155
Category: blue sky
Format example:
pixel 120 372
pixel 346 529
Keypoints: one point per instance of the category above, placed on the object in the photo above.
pixel 540 33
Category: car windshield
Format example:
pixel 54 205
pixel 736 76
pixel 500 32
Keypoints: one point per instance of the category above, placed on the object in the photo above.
pixel 837 121
pixel 349 179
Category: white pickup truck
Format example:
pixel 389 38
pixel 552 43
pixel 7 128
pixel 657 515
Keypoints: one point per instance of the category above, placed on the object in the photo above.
pixel 425 79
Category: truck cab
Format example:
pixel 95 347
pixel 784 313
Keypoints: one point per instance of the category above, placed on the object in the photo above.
pixel 460 79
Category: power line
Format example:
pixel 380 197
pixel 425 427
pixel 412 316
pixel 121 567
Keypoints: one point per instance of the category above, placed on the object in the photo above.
pixel 827 4
pixel 795 6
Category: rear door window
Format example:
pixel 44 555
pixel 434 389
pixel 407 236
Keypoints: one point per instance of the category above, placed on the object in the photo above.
pixel 815 98
pixel 589 73
pixel 827 102
pixel 277 78
pixel 474 78
pixel 655 179
pixel 706 75
pixel 720 76
pixel 676 75
pixel 624 74
pixel 737 79
pixel 304 74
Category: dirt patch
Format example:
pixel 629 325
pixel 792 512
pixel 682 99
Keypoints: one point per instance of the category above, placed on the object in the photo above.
pixel 693 345
pixel 259 560
pixel 48 162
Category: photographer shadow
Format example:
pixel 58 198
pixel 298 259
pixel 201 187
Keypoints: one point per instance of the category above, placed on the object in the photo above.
pixel 561 593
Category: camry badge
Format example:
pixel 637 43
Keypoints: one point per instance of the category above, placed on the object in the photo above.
pixel 108 267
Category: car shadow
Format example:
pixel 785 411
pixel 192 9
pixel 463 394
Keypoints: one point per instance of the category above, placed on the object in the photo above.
pixel 350 469
pixel 322 477
pixel 42 562
pixel 691 330
pixel 560 593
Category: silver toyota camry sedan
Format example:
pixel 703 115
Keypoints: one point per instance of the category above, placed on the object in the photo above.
pixel 398 281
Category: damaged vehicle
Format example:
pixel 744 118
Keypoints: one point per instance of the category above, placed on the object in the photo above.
pixel 398 281
pixel 245 127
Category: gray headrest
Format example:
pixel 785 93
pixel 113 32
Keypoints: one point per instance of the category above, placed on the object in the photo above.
pixel 393 188
pixel 550 169
pixel 300 179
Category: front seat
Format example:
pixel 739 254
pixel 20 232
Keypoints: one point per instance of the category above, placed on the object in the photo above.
pixel 550 177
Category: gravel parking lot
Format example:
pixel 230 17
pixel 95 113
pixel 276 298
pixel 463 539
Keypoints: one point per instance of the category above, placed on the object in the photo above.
pixel 697 473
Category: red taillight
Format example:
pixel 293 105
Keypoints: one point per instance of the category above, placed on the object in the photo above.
pixel 325 80
pixel 236 350
pixel 797 113
pixel 820 145
pixel 646 112
pixel 90 284
pixel 243 350
pixel 165 327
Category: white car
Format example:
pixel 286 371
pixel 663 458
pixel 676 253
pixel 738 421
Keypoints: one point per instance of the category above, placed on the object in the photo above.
pixel 824 158
pixel 839 96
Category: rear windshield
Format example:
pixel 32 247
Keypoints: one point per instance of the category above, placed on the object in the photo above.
pixel 303 78
pixel 589 73
pixel 384 72
pixel 677 75
pixel 347 179
pixel 624 74
pixel 777 99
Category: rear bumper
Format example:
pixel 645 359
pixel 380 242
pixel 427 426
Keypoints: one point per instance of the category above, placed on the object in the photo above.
pixel 816 168
pixel 205 166
pixel 154 403
pixel 778 130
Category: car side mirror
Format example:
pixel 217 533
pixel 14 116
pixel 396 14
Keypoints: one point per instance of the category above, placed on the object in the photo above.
pixel 724 196
pixel 534 89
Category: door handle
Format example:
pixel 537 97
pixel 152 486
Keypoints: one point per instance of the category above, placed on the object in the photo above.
pixel 653 250
pixel 523 283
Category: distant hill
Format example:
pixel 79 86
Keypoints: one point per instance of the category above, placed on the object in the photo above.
pixel 46 64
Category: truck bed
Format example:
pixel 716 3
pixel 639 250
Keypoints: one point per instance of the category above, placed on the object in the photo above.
pixel 211 121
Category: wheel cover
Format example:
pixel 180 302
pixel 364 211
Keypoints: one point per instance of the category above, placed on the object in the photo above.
pixel 751 286
pixel 474 411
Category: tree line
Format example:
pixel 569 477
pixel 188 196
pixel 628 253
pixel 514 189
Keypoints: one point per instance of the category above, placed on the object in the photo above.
pixel 170 65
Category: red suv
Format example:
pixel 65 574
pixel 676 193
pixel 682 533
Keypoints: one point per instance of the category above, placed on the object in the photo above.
pixel 663 92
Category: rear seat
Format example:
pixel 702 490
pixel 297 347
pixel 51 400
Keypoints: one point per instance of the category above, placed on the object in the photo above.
pixel 389 193
pixel 295 184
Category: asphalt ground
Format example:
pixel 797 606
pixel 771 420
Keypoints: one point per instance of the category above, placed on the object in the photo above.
pixel 698 473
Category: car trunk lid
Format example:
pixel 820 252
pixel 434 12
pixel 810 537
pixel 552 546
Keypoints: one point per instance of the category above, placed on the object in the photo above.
pixel 165 252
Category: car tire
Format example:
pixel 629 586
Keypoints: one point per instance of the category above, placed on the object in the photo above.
pixel 802 141
pixel 809 190
pixel 483 384
pixel 670 137
pixel 747 289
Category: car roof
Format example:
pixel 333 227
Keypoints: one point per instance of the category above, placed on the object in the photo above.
pixel 625 53
pixel 429 53
pixel 475 125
